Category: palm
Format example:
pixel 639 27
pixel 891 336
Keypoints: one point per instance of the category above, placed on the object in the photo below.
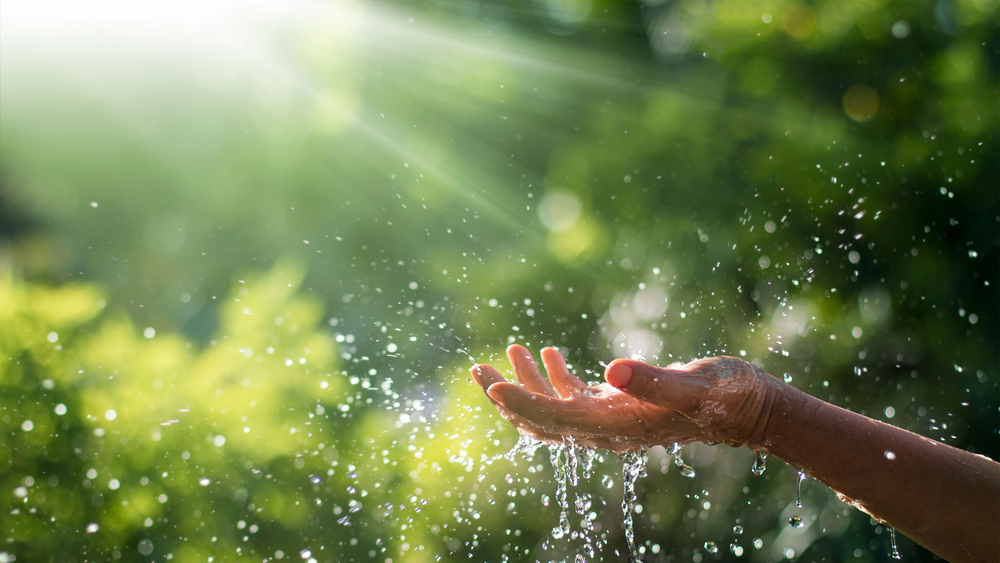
pixel 564 407
pixel 714 400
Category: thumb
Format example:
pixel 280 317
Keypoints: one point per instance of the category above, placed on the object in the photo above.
pixel 664 387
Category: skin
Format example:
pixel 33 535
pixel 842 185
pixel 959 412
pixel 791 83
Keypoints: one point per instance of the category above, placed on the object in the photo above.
pixel 946 499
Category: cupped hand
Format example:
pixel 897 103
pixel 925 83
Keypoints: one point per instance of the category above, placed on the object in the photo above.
pixel 714 400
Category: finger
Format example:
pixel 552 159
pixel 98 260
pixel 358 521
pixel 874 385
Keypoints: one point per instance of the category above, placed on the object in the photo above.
pixel 665 387
pixel 486 375
pixel 550 413
pixel 565 383
pixel 527 371
pixel 474 372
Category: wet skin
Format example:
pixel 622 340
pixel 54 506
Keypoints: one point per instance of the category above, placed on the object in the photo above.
pixel 713 400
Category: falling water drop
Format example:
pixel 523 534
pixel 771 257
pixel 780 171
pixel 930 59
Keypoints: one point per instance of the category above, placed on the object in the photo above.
pixel 559 469
pixel 588 455
pixel 795 522
pixel 760 459
pixel 633 467
pixel 758 543
pixel 892 543
pixel 685 469
pixel 801 476
pixel 711 547
pixel 737 530
pixel 572 461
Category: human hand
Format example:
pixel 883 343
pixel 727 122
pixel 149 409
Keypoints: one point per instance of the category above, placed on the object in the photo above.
pixel 713 400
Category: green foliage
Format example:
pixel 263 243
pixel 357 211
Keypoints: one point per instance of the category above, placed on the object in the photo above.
pixel 131 431
pixel 809 185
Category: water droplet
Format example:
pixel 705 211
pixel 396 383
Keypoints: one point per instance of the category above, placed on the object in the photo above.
pixel 795 522
pixel 788 378
pixel 608 481
pixel 204 482
pixel 760 458
pixel 892 544
pixel 92 528
pixel 685 469
pixel 758 543
pixel 711 547
pixel 738 530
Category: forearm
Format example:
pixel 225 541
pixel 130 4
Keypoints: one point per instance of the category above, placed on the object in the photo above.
pixel 946 499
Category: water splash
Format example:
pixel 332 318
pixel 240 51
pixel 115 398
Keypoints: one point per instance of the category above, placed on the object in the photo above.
pixel 587 455
pixel 526 446
pixel 569 462
pixel 801 476
pixel 583 503
pixel 892 543
pixel 572 460
pixel 633 467
pixel 559 469
pixel 760 458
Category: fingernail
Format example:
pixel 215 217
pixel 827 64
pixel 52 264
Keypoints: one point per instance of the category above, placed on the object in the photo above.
pixel 619 375
pixel 496 396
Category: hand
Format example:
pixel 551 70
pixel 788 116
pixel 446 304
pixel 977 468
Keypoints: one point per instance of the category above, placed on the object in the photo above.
pixel 714 400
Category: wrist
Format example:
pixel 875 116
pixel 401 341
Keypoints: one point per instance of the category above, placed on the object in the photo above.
pixel 760 428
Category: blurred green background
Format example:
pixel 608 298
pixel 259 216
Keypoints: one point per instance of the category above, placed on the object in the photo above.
pixel 249 250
